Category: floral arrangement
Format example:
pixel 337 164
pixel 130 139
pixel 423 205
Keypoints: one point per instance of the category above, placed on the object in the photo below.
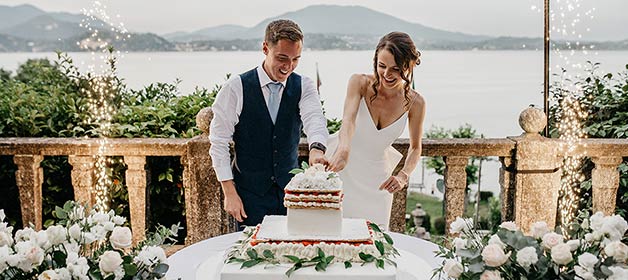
pixel 84 244
pixel 594 251
pixel 314 177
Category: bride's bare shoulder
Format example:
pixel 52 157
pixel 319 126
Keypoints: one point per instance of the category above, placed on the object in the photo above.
pixel 361 80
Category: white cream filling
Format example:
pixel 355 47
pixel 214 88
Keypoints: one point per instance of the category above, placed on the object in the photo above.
pixel 312 204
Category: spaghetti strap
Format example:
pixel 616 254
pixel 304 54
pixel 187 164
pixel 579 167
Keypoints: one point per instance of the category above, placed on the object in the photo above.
pixel 412 102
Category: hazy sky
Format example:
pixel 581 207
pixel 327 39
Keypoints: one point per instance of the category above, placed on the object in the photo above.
pixel 486 17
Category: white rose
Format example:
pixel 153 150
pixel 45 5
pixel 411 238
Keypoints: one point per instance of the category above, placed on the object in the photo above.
pixel 100 218
pixel 56 235
pixel 460 244
pixel 118 220
pixel 584 273
pixel 587 260
pixel 5 239
pixel 539 229
pixel 121 238
pixel 2 215
pixel 109 226
pixel 596 221
pixel 25 234
pixel 552 239
pixel 77 266
pixel 77 213
pixel 150 255
pixel 48 275
pixel 75 232
pixel 618 223
pixel 511 226
pixel 561 254
pixel 5 252
pixel 109 262
pixel 573 244
pixel 99 232
pixel 618 273
pixel 490 275
pixel 457 226
pixel 527 257
pixel 29 255
pixel 494 256
pixel 71 246
pixel 452 268
pixel 617 250
pixel 496 240
pixel 41 237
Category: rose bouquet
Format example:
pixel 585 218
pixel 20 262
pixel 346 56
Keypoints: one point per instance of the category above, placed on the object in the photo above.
pixel 595 251
pixel 84 244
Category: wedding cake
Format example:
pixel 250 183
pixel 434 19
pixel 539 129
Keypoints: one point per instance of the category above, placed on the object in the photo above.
pixel 313 241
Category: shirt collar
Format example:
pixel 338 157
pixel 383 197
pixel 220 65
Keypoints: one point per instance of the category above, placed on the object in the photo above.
pixel 263 77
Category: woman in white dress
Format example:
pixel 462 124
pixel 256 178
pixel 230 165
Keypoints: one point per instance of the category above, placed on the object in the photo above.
pixel 376 110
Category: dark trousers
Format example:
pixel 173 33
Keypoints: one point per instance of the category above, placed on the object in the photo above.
pixel 256 206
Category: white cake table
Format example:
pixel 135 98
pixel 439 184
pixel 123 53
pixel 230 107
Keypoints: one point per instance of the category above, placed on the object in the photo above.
pixel 184 263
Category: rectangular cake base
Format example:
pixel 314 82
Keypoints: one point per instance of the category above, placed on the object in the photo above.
pixel 314 221
pixel 335 271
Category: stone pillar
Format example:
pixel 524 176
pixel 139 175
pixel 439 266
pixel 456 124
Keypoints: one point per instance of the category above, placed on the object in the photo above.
pixel 83 178
pixel 507 190
pixel 537 172
pixel 203 195
pixel 397 221
pixel 136 178
pixel 605 182
pixel 455 185
pixel 29 177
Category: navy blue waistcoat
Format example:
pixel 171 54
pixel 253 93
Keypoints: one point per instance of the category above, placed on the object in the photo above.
pixel 266 152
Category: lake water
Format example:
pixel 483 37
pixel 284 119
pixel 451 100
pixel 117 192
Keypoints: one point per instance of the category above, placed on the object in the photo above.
pixel 487 89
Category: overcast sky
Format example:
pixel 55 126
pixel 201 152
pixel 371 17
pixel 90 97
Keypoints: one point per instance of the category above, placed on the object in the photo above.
pixel 485 17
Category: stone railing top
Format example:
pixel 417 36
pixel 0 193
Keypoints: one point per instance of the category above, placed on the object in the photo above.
pixel 90 146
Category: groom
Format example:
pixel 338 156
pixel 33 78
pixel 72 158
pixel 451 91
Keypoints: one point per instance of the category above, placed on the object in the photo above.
pixel 263 111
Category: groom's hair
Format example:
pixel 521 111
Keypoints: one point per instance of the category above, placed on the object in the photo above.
pixel 282 29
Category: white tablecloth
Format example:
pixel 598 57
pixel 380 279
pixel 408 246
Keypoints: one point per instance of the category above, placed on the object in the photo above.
pixel 183 264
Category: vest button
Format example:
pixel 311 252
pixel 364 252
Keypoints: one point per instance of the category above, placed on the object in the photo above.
pixel 272 178
pixel 274 136
pixel 275 164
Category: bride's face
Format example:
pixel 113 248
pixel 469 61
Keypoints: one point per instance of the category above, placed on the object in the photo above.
pixel 387 70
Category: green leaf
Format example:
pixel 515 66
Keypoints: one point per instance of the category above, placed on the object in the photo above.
pixel 160 270
pixel 321 254
pixel 388 239
pixel 379 263
pixel 366 257
pixel 130 269
pixel 296 171
pixel 292 258
pixel 375 227
pixel 250 263
pixel 380 247
pixel 293 268
pixel 348 264
pixel 304 165
pixel 321 266
pixel 251 253
pixel 268 254
pixel 329 259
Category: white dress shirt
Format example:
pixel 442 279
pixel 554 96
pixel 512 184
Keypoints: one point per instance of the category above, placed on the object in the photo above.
pixel 228 106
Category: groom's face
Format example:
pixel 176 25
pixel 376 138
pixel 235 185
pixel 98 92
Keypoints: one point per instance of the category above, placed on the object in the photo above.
pixel 281 58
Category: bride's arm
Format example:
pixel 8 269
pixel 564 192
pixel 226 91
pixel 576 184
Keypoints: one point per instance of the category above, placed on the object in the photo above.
pixel 416 115
pixel 350 111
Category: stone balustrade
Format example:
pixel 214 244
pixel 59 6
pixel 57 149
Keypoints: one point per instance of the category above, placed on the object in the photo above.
pixel 529 175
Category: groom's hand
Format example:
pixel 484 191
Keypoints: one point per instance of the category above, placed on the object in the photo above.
pixel 233 203
pixel 317 156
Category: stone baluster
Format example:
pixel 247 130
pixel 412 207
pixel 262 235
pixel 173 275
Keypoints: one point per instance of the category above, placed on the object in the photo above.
pixel 455 185
pixel 203 196
pixel 83 178
pixel 136 181
pixel 605 181
pixel 507 188
pixel 537 172
pixel 29 177
pixel 397 221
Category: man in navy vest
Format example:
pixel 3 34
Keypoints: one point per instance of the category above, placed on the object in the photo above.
pixel 263 112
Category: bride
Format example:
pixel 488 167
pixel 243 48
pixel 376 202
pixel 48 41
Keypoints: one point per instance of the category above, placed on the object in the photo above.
pixel 376 110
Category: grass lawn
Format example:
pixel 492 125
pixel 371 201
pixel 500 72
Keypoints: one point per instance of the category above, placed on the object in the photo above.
pixel 434 207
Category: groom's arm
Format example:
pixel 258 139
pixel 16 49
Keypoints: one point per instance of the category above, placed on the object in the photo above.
pixel 314 122
pixel 226 108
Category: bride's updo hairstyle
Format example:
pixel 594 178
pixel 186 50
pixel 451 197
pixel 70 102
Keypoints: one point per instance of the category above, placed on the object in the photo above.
pixel 401 46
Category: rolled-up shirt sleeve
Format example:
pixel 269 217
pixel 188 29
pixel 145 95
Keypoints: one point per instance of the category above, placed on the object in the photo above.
pixel 226 109
pixel 314 122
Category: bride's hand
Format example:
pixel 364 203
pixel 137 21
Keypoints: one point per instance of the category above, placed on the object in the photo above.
pixel 338 161
pixel 395 183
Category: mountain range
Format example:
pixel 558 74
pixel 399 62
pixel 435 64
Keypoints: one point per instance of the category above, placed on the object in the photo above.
pixel 26 28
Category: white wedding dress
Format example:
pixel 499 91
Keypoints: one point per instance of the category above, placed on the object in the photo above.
pixel 372 160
